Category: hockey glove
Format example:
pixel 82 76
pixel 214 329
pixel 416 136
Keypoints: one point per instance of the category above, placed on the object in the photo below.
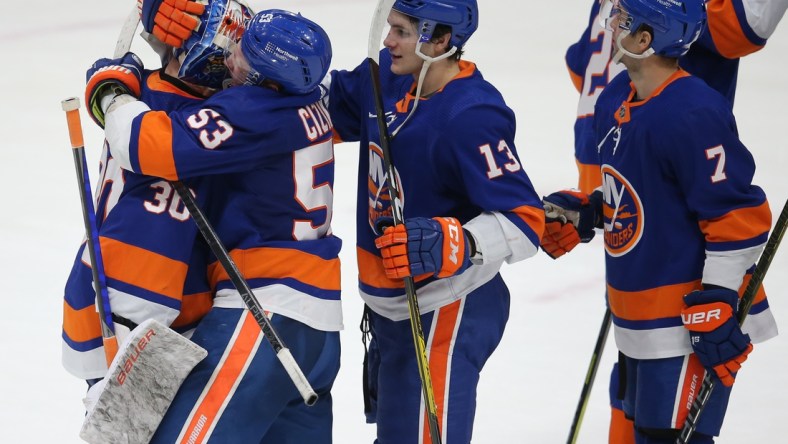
pixel 715 334
pixel 171 21
pixel 570 218
pixel 420 245
pixel 111 76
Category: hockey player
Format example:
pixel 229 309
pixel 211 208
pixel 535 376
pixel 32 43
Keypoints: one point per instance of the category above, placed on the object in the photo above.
pixel 267 142
pixel 155 264
pixel 735 29
pixel 669 152
pixel 468 207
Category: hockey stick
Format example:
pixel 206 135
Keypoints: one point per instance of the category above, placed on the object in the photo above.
pixel 593 366
pixel 71 107
pixel 127 32
pixel 691 422
pixel 378 23
pixel 218 249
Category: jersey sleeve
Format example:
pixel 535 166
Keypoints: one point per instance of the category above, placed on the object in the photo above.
pixel 740 27
pixel 715 172
pixel 578 54
pixel 487 168
pixel 346 90
pixel 236 130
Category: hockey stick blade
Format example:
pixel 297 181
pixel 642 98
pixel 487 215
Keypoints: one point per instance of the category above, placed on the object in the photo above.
pixel 140 385
pixel 691 422
pixel 126 36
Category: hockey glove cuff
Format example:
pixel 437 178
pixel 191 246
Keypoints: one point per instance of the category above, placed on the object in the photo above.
pixel 570 218
pixel 171 21
pixel 438 246
pixel 714 332
pixel 111 76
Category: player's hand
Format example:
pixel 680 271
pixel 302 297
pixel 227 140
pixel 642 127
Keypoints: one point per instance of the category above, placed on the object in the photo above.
pixel 112 76
pixel 171 21
pixel 570 218
pixel 421 245
pixel 715 334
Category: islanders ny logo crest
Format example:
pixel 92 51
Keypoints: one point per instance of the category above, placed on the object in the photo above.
pixel 622 213
pixel 378 186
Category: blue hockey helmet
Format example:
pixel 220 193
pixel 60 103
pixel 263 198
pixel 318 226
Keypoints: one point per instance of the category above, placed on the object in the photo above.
pixel 676 23
pixel 461 15
pixel 202 55
pixel 286 48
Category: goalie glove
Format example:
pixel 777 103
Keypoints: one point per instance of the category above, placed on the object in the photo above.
pixel 171 21
pixel 111 77
pixel 570 218
pixel 715 334
pixel 420 245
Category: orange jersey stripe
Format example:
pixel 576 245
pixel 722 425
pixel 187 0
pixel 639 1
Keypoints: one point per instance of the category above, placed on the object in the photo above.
pixel 661 302
pixel 533 217
pixel 155 146
pixel 143 268
pixel 656 303
pixel 440 349
pixel 280 263
pixel 726 30
pixel 577 80
pixel 193 308
pixel 372 273
pixel 155 83
pixel 740 224
pixel 590 177
pixel 224 381
pixel 81 325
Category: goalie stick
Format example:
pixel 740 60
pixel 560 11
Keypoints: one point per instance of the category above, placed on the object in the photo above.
pixel 378 23
pixel 71 107
pixel 691 422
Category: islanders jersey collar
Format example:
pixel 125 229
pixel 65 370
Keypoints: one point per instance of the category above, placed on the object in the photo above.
pixel 623 114
pixel 467 69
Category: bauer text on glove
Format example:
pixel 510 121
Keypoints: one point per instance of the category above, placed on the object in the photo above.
pixel 715 335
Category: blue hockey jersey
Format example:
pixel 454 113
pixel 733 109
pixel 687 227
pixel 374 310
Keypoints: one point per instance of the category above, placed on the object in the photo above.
pixel 680 210
pixel 147 240
pixel 735 28
pixel 271 164
pixel 455 156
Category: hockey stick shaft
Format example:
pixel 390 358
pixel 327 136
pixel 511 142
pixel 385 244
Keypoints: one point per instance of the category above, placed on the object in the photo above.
pixel 71 107
pixel 691 422
pixel 378 22
pixel 593 366
pixel 219 250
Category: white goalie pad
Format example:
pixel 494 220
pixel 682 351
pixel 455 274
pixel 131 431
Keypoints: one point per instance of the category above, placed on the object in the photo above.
pixel 140 385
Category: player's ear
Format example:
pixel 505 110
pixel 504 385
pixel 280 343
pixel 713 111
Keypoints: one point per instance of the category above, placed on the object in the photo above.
pixel 644 39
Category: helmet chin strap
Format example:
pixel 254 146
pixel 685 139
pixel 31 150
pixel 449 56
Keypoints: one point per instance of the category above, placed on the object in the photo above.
pixel 422 74
pixel 622 52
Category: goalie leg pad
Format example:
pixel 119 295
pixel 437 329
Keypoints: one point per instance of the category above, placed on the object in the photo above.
pixel 140 384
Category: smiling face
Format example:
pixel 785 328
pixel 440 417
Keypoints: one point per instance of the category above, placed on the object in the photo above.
pixel 401 42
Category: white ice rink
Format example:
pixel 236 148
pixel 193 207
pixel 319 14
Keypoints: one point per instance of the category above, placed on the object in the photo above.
pixel 530 386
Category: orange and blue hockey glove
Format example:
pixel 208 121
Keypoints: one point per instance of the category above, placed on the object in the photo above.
pixel 111 76
pixel 570 218
pixel 715 334
pixel 420 245
pixel 171 21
